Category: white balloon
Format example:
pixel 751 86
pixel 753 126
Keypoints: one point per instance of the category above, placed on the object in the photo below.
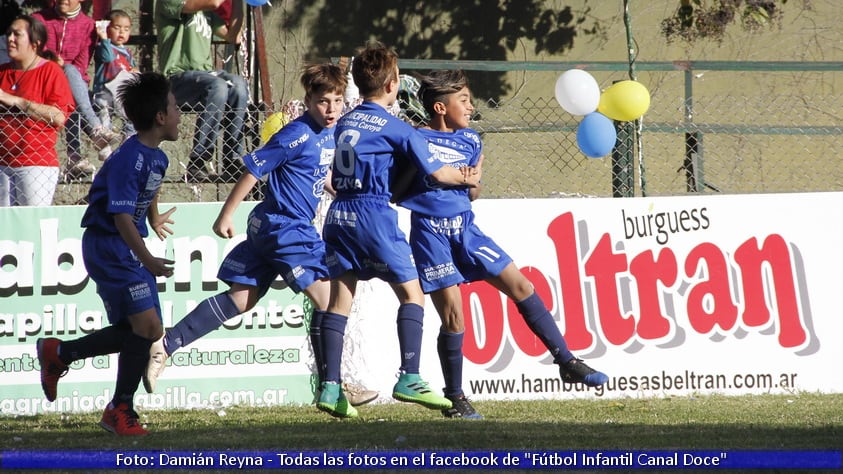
pixel 577 92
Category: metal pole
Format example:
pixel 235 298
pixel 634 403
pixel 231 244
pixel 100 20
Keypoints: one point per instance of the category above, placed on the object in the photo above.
pixel 633 53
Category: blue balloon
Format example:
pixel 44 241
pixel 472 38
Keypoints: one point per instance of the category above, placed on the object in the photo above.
pixel 257 3
pixel 596 135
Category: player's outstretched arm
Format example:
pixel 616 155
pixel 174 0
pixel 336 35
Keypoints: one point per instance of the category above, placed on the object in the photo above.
pixel 224 225
pixel 451 176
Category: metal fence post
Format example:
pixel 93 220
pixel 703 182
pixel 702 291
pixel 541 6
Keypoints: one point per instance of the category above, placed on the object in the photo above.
pixel 693 164
pixel 623 184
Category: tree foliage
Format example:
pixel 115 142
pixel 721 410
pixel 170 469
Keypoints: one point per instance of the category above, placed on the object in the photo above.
pixel 707 20
pixel 443 29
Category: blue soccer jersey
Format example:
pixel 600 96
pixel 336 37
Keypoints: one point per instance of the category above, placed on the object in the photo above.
pixel 448 247
pixel 126 184
pixel 295 161
pixel 457 149
pixel 281 238
pixel 369 143
pixel 361 229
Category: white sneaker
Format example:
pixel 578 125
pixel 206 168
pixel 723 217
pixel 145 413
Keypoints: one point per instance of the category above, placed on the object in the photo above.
pixel 155 367
pixel 357 394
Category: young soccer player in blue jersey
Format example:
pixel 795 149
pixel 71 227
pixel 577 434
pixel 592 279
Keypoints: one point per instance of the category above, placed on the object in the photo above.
pixel 281 238
pixel 361 231
pixel 443 235
pixel 123 196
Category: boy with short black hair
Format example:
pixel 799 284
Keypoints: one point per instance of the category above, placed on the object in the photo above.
pixel 361 231
pixel 123 196
pixel 443 234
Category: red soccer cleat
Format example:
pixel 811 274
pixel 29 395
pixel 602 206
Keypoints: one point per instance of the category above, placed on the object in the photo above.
pixel 52 368
pixel 122 421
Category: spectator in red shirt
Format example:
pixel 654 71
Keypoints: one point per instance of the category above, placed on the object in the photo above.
pixel 35 101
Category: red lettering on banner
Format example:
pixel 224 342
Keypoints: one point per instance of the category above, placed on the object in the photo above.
pixel 562 233
pixel 648 273
pixel 776 253
pixel 757 287
pixel 603 266
pixel 709 301
pixel 482 304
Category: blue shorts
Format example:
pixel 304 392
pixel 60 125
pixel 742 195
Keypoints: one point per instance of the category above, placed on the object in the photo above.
pixel 362 235
pixel 125 286
pixel 276 245
pixel 453 250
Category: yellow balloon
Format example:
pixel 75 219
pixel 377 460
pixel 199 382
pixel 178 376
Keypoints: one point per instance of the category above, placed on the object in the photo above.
pixel 624 101
pixel 272 124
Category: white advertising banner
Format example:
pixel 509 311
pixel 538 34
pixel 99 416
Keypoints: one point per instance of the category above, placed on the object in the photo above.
pixel 668 296
pixel 259 357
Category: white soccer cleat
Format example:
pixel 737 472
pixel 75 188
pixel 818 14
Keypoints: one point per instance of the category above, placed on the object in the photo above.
pixel 357 394
pixel 155 367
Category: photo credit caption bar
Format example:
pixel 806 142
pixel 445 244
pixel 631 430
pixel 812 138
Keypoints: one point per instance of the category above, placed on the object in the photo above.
pixel 503 460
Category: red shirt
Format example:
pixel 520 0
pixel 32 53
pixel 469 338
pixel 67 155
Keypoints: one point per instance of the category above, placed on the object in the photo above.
pixel 71 38
pixel 224 11
pixel 24 141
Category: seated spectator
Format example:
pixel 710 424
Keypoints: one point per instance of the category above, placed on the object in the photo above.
pixel 185 29
pixel 35 101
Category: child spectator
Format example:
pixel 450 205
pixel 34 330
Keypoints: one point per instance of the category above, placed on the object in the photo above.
pixel 111 58
pixel 71 35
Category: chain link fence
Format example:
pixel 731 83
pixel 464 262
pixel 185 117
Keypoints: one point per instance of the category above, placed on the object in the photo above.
pixel 531 150
pixel 758 131
pixel 179 186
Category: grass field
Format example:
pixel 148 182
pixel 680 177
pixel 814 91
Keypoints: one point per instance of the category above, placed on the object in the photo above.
pixel 764 422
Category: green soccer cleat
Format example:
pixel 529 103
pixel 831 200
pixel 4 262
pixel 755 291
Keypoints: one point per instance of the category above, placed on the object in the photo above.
pixel 411 388
pixel 333 401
